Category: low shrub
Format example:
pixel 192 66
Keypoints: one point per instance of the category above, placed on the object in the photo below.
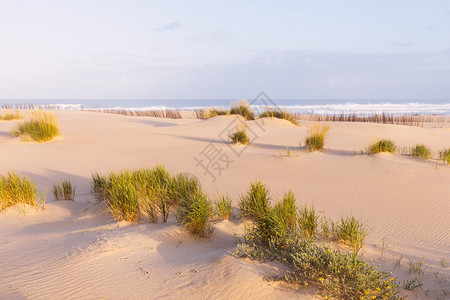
pixel 421 151
pixel 223 207
pixel 195 212
pixel 280 114
pixel 445 156
pixel 382 146
pixel 15 189
pixel 308 221
pixel 242 108
pixel 240 136
pixel 40 126
pixel 338 275
pixel 316 137
pixel 64 190
pixel 256 202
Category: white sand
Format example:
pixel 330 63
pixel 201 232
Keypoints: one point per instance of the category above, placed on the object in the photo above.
pixel 76 250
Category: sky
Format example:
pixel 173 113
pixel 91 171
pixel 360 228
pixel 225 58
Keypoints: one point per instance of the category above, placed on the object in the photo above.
pixel 137 49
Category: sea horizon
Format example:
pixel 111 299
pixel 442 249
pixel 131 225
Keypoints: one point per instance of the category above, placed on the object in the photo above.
pixel 302 106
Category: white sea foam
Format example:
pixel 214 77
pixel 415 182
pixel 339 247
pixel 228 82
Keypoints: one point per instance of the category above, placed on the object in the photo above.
pixel 321 109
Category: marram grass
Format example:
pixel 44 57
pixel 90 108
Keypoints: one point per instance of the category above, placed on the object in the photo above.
pixel 382 146
pixel 64 190
pixel 9 116
pixel 421 151
pixel 223 207
pixel 242 108
pixel 315 140
pixel 279 114
pixel 240 135
pixel 39 126
pixel 129 195
pixel 445 156
pixel 15 189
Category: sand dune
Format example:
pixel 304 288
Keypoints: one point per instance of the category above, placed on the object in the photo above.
pixel 76 250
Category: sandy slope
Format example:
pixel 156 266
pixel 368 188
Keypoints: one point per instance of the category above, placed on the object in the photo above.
pixel 73 250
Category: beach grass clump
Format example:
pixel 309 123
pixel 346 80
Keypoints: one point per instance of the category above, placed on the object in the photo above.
pixel 122 197
pixel 421 151
pixel 9 116
pixel 308 221
pixel 15 189
pixel 214 112
pixel 155 193
pixel 352 232
pixel 223 207
pixel 194 213
pixel 382 146
pixel 286 209
pixel 240 135
pixel 445 156
pixel 39 126
pixel 279 114
pixel 316 137
pixel 64 190
pixel 242 108
pixel 256 202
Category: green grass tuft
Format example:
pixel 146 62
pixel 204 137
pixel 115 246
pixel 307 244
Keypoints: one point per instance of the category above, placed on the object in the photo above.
pixel 64 190
pixel 280 114
pixel 308 221
pixel 15 189
pixel 382 146
pixel 287 210
pixel 223 207
pixel 316 137
pixel 352 232
pixel 40 126
pixel 195 212
pixel 240 136
pixel 256 202
pixel 421 151
pixel 445 156
pixel 242 108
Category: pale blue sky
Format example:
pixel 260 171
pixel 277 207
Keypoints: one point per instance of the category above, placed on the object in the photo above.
pixel 224 49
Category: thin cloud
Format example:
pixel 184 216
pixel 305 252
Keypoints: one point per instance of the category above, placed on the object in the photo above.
pixel 407 44
pixel 170 26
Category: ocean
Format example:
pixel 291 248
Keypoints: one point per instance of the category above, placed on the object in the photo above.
pixel 322 107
